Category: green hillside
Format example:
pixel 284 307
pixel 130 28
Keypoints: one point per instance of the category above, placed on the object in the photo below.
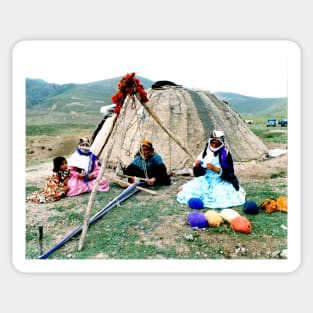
pixel 53 109
pixel 62 98
pixel 73 105
pixel 251 106
pixel 91 96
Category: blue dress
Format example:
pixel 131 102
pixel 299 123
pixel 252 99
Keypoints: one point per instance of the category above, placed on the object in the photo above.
pixel 215 192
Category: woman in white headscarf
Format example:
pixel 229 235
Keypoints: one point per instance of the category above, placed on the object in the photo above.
pixel 215 184
pixel 84 168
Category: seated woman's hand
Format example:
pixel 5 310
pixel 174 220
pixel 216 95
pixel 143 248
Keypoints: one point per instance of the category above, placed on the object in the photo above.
pixel 81 174
pixel 197 163
pixel 151 181
pixel 211 167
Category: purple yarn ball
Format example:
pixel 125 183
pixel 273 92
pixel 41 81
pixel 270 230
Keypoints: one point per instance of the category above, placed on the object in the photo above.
pixel 197 219
pixel 195 203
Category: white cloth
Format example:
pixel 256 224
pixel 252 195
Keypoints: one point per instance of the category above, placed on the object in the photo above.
pixel 80 161
pixel 207 159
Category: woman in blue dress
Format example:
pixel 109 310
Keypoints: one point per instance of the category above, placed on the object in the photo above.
pixel 215 183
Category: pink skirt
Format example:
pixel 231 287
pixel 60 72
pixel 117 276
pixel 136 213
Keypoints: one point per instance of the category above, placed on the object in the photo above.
pixel 78 186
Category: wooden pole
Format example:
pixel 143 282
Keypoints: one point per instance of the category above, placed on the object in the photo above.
pixel 95 188
pixel 94 191
pixel 138 187
pixel 109 134
pixel 155 117
pixel 127 176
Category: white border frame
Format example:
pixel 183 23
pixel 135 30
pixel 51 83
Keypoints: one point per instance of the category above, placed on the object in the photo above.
pixel 155 266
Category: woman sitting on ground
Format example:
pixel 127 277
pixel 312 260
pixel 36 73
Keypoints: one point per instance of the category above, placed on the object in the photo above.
pixel 84 168
pixel 149 165
pixel 215 184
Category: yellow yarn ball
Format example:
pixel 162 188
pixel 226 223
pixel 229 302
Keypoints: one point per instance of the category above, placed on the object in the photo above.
pixel 214 218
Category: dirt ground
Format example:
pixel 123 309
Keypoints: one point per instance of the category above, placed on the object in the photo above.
pixel 39 164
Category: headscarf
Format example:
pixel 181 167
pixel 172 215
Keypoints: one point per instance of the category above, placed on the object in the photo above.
pixel 83 149
pixel 221 150
pixel 219 136
pixel 144 163
pixel 83 157
pixel 147 143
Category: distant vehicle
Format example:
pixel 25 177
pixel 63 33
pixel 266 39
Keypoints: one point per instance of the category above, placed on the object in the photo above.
pixel 283 123
pixel 271 122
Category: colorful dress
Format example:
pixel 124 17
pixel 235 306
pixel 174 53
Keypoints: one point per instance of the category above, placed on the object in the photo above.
pixel 89 164
pixel 53 190
pixel 214 191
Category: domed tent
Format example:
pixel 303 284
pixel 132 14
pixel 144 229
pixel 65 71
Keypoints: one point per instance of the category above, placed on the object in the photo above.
pixel 187 115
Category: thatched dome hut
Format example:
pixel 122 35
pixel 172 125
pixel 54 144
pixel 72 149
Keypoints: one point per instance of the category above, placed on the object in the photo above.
pixel 189 114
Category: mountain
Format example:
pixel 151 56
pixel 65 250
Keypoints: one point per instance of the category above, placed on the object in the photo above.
pixel 252 106
pixel 90 97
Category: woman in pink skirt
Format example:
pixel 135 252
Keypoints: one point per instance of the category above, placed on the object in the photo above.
pixel 84 168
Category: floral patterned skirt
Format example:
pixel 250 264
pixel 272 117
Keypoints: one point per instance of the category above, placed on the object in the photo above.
pixel 52 191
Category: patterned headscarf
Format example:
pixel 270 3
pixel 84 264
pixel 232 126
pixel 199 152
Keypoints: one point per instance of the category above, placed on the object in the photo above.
pixel 147 143
pixel 84 140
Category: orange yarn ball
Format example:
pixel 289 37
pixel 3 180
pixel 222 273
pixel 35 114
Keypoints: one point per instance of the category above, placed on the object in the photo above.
pixel 241 224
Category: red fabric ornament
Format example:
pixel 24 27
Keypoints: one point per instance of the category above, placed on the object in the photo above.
pixel 117 109
pixel 128 85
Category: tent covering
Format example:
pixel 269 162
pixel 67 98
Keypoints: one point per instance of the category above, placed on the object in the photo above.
pixel 190 114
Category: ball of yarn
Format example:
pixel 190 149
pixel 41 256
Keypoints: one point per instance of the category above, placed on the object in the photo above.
pixel 214 218
pixel 195 203
pixel 282 204
pixel 250 207
pixel 229 214
pixel 241 224
pixel 197 219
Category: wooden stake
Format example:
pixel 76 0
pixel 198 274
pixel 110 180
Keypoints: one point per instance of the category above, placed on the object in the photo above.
pixel 40 229
pixel 94 191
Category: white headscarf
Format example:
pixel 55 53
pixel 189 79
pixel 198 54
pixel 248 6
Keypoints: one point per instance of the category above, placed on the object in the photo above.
pixel 209 155
pixel 82 157
pixel 216 135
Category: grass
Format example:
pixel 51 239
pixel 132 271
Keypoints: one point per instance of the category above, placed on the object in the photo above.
pixel 155 227
pixel 53 130
pixel 50 123
pixel 276 134
pixel 144 228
